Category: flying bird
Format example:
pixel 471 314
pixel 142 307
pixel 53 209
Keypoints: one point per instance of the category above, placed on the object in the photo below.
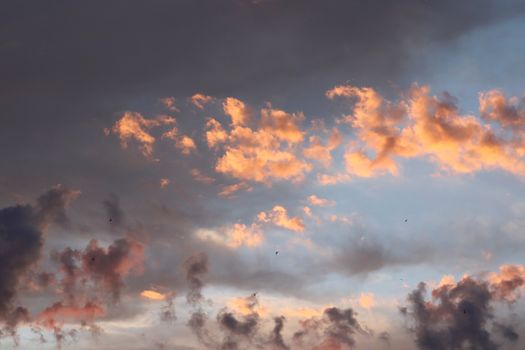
pixel 277 252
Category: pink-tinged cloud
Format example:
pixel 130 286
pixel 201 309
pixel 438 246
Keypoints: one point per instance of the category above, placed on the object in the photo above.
pixel 320 202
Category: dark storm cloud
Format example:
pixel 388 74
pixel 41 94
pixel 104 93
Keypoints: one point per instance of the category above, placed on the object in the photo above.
pixel 21 241
pixel 181 45
pixel 461 315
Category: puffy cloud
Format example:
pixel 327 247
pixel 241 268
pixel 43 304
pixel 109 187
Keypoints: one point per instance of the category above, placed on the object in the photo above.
pixel 507 283
pixel 215 134
pixel 323 152
pixel 109 266
pixel 320 202
pixel 186 144
pixel 21 239
pixel 279 217
pixel 200 100
pixel 421 125
pixel 283 125
pixel 239 113
pixel 494 106
pixel 183 142
pixel 462 312
pixel 133 126
pixel 259 154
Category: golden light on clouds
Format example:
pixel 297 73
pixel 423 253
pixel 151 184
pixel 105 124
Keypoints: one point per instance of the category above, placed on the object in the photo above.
pixel 152 295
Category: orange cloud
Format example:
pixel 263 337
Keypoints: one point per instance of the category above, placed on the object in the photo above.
pixel 199 100
pixel 169 103
pixel 323 153
pixel 237 111
pixel 133 126
pixel 507 283
pixel 215 134
pixel 279 217
pixel 421 125
pixel 186 144
pixel 152 295
pixel 283 125
pixel 260 154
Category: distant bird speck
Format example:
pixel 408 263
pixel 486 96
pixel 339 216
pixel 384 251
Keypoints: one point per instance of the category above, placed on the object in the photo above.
pixel 110 220
pixel 277 252
pixel 406 220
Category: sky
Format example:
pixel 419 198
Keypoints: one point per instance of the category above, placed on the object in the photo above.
pixel 262 174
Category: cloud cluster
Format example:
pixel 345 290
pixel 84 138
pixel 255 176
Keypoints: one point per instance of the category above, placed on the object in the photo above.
pixel 423 125
pixel 22 230
pixel 258 150
pixel 462 313
pixel 133 126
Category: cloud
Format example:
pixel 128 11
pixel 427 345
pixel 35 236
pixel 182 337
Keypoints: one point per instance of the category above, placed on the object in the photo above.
pixel 461 313
pixel 21 236
pixel 263 153
pixel 109 266
pixel 234 236
pixel 169 103
pixel 195 267
pixel 238 112
pixel 200 100
pixel 421 125
pixel 320 202
pixel 338 328
pixel 230 190
pixel 133 126
pixel 323 152
pixel 279 217
pixel 152 295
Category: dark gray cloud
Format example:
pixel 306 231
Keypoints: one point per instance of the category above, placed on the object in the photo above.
pixel 461 315
pixel 21 240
